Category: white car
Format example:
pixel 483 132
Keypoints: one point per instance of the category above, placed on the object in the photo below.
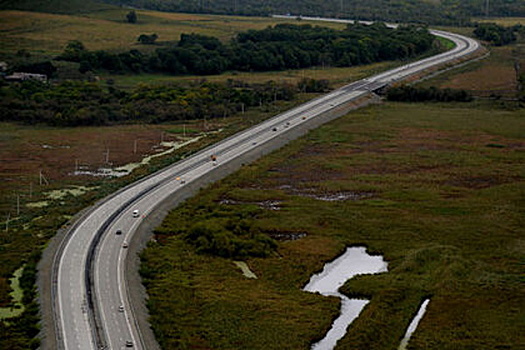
pixel 135 213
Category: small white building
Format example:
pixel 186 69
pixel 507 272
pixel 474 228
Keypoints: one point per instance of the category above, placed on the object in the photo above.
pixel 20 76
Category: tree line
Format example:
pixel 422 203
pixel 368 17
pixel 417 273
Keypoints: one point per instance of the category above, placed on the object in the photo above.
pixel 496 34
pixel 407 93
pixel 415 11
pixel 77 103
pixel 284 46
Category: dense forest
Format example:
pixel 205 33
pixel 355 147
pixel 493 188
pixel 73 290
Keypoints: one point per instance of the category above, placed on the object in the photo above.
pixel 285 46
pixel 420 11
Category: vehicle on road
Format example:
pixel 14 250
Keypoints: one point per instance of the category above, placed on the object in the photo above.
pixel 125 245
pixel 129 344
pixel 135 213
pixel 121 308
pixel 118 232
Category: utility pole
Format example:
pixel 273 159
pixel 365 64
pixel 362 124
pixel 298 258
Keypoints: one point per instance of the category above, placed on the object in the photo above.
pixel 7 222
pixel 135 147
pixel 43 179
pixel 107 155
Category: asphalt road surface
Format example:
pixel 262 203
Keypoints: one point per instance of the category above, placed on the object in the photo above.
pixel 91 302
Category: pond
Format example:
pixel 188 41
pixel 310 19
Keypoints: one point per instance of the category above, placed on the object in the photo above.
pixel 355 261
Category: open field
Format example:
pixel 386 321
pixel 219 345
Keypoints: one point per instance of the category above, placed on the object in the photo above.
pixel 436 189
pixel 494 76
pixel 48 34
pixel 508 21
pixel 26 151
pixel 337 76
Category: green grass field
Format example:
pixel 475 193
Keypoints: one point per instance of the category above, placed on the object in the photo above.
pixel 507 21
pixel 439 193
pixel 48 34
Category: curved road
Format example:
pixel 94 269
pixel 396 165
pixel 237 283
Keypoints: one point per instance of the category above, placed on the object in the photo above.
pixel 92 309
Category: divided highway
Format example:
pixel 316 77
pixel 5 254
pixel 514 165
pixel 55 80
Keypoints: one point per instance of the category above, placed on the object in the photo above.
pixel 89 289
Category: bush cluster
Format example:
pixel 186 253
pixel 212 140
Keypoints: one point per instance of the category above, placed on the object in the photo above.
pixel 496 34
pixel 225 231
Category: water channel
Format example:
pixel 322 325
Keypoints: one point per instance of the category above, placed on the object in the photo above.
pixel 413 325
pixel 355 261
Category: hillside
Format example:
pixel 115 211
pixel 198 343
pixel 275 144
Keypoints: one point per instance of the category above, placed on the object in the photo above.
pixel 54 6
pixel 426 11
pixel 456 12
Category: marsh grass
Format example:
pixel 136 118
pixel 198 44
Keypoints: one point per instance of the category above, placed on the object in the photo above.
pixel 443 207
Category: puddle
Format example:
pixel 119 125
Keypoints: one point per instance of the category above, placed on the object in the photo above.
pixel 413 325
pixel 55 147
pixel 355 261
pixel 128 168
pixel 287 236
pixel 327 196
pixel 75 191
pixel 341 196
pixel 16 295
pixel 37 204
pixel 268 204
pixel 245 269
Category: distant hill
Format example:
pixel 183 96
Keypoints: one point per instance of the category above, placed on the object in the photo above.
pixel 54 6
pixel 423 11
pixel 451 12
